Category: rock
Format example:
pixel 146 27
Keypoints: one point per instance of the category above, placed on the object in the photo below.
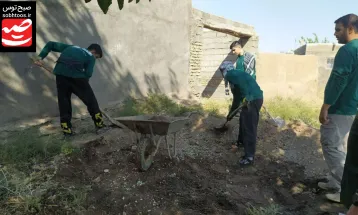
pixel 106 170
pixel 98 179
pixel 134 148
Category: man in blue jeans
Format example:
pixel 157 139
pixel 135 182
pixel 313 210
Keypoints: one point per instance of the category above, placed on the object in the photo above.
pixel 245 89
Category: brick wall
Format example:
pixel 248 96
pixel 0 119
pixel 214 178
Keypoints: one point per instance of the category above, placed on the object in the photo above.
pixel 215 49
pixel 209 48
pixel 196 44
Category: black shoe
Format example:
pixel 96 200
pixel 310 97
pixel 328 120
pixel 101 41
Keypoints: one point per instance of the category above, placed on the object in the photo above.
pixel 246 161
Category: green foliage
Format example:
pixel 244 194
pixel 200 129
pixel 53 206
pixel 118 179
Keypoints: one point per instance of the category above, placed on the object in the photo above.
pixel 294 109
pixel 155 104
pixel 29 147
pixel 270 210
pixel 161 104
pixel 104 4
pixel 315 39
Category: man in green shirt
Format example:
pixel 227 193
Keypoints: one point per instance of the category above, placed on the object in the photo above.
pixel 245 89
pixel 245 62
pixel 344 91
pixel 340 104
pixel 73 70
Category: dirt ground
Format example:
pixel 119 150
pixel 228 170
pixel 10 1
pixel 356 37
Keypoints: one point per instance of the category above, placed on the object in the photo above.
pixel 204 178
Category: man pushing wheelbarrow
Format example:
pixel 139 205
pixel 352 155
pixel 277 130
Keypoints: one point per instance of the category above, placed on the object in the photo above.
pixel 248 97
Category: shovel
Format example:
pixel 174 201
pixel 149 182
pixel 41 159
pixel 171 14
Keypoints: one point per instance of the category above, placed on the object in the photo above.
pixel 224 128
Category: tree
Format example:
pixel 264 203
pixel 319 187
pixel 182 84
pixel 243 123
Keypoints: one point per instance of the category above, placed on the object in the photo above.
pixel 305 40
pixel 104 4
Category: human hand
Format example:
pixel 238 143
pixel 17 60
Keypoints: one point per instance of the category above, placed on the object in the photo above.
pixel 353 210
pixel 39 62
pixel 323 116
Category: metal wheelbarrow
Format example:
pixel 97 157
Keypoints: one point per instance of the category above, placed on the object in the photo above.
pixel 149 132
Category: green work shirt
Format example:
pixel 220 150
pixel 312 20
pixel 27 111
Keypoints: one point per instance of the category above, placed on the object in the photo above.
pixel 341 91
pixel 240 63
pixel 74 62
pixel 244 87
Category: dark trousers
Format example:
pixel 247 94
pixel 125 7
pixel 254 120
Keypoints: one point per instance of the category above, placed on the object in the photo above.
pixel 249 120
pixel 349 183
pixel 82 89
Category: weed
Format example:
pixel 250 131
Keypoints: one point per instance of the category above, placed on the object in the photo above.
pixel 68 149
pixel 29 147
pixel 217 108
pixel 294 109
pixel 270 210
pixel 162 104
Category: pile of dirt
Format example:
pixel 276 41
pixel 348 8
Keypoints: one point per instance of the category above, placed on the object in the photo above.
pixel 205 180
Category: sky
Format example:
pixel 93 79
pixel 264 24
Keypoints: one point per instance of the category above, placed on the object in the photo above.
pixel 278 23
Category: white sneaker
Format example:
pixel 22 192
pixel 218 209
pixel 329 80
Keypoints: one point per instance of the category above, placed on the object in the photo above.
pixel 334 197
pixel 328 186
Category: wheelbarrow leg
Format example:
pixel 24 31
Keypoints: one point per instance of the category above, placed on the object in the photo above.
pixel 174 143
pixel 168 148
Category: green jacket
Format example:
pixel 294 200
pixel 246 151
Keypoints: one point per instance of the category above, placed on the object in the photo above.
pixel 341 91
pixel 74 62
pixel 244 86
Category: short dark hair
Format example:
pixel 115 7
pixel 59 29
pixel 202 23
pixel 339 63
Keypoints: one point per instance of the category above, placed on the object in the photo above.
pixel 97 48
pixel 235 43
pixel 349 20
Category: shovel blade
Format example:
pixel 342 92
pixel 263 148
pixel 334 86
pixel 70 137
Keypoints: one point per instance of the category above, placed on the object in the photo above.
pixel 222 128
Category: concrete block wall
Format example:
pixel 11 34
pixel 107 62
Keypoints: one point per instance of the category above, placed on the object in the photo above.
pixel 288 76
pixel 325 53
pixel 215 51
pixel 196 44
pixel 211 37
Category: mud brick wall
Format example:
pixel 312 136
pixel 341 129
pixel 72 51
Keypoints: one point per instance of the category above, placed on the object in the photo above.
pixel 211 37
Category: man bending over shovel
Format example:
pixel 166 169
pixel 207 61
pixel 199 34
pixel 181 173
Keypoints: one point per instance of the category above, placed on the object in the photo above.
pixel 73 70
pixel 245 90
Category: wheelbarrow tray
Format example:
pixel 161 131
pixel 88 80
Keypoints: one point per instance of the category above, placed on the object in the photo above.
pixel 144 125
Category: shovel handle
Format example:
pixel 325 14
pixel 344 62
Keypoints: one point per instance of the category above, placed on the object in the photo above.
pixel 41 66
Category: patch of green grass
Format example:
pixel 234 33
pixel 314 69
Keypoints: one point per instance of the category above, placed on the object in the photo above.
pixel 162 104
pixel 29 147
pixel 270 210
pixel 294 109
pixel 219 108
pixel 155 104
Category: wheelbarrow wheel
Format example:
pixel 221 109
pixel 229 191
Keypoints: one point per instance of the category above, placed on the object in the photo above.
pixel 146 149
